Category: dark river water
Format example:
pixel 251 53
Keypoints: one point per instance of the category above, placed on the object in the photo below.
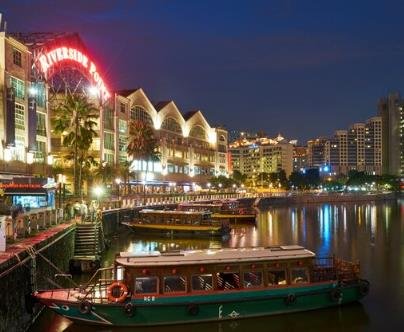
pixel 372 233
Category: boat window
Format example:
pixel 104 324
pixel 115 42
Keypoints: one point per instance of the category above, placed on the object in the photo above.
pixel 252 279
pixel 146 285
pixel 174 284
pixel 202 282
pixel 228 280
pixel 276 277
pixel 298 275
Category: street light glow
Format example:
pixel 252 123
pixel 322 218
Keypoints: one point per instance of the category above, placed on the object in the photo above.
pixel 98 191
pixel 118 181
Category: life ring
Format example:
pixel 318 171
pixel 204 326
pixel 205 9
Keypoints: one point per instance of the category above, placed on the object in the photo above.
pixel 290 299
pixel 193 309
pixel 363 287
pixel 336 295
pixel 85 307
pixel 117 292
pixel 129 309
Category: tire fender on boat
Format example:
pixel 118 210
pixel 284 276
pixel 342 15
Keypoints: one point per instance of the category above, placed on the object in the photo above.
pixel 336 295
pixel 129 309
pixel 290 299
pixel 193 309
pixel 85 307
pixel 363 287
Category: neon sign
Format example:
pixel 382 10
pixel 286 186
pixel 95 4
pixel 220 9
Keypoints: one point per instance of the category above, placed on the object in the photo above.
pixel 59 54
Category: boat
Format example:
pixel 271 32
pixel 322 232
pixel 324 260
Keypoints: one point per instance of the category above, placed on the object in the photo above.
pixel 165 288
pixel 173 222
pixel 222 210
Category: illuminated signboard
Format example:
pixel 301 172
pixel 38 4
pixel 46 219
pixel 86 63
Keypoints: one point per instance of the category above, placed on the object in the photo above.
pixel 53 57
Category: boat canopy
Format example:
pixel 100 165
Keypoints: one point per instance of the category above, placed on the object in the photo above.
pixel 213 256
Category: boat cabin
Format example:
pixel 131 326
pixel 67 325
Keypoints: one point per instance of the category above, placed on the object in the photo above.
pixel 204 271
pixel 169 217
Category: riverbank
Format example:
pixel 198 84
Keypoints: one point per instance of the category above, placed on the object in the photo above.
pixel 316 198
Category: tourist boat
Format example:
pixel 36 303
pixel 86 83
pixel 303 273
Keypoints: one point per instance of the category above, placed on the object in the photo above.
pixel 226 209
pixel 153 288
pixel 169 222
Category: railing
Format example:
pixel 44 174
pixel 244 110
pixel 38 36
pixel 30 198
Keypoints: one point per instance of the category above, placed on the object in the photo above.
pixel 95 289
pixel 29 222
pixel 331 268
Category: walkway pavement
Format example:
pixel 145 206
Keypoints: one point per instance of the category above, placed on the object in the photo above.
pixel 21 245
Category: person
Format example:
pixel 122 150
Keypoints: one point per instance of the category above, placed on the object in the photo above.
pixel 83 210
pixel 92 210
pixel 77 210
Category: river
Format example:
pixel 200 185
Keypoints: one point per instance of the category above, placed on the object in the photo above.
pixel 372 233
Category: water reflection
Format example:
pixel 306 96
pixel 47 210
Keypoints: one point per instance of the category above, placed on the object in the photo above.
pixel 372 233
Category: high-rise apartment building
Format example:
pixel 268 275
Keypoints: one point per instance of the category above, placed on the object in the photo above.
pixel 358 148
pixel 299 158
pixel 261 155
pixel 391 111
pixel 318 152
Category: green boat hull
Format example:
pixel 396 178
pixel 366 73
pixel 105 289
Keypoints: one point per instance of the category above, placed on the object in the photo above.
pixel 151 311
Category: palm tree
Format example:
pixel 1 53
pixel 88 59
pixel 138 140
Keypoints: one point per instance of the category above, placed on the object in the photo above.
pixel 141 144
pixel 75 119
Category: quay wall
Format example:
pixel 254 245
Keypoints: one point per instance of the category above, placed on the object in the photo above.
pixel 16 307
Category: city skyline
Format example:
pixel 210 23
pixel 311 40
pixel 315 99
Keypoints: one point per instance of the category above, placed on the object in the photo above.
pixel 285 66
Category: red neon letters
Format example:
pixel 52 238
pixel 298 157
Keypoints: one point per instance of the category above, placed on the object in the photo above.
pixel 52 57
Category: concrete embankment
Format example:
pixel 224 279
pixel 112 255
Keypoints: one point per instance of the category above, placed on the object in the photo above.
pixel 53 249
pixel 17 281
pixel 310 198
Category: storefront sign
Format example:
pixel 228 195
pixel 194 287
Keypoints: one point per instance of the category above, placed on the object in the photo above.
pixel 60 54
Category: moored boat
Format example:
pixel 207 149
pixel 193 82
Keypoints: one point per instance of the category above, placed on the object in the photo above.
pixel 179 287
pixel 169 222
pixel 226 209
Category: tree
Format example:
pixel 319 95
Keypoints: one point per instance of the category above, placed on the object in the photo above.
pixel 141 144
pixel 75 120
pixel 238 177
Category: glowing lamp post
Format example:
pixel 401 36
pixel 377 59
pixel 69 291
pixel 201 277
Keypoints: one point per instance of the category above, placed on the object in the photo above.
pixel 98 192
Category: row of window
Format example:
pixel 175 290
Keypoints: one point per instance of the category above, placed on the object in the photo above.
pixel 204 282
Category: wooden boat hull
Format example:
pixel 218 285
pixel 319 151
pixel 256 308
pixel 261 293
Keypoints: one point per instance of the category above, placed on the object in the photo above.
pixel 218 306
pixel 171 230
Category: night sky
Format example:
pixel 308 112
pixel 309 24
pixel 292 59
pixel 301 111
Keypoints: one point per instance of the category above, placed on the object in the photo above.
pixel 302 68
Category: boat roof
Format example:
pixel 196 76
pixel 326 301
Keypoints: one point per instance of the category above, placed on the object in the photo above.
pixel 213 256
pixel 168 212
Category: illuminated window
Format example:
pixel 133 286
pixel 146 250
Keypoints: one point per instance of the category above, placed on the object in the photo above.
pixel 198 132
pixel 299 275
pixel 19 117
pixel 172 125
pixel 123 143
pixel 18 86
pixel 140 114
pixel 122 126
pixel 276 277
pixel 109 118
pixel 109 141
pixel 17 57
pixel 40 152
pixel 40 95
pixel 40 124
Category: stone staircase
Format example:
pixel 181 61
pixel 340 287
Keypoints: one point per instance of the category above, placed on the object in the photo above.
pixel 89 241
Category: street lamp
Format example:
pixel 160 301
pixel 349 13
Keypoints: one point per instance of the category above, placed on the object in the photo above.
pixel 220 185
pixel 98 191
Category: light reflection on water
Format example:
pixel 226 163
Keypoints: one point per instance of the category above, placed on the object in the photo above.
pixel 371 233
